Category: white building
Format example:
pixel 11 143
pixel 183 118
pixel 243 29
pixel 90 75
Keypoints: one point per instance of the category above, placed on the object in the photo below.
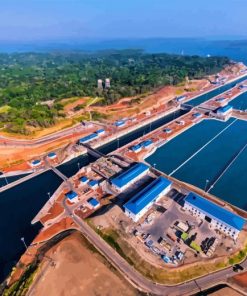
pixel 221 219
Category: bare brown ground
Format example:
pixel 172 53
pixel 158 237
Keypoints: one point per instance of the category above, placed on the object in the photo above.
pixel 78 271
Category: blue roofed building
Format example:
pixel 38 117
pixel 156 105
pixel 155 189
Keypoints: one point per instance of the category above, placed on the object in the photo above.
pixel 88 138
pixel 136 148
pixel 72 196
pixel 94 184
pixel 146 143
pixel 220 218
pixel 52 155
pixel 120 123
pixel 130 176
pixel 36 162
pixel 84 180
pixel 225 110
pixel 94 203
pixel 141 202
pixel 180 98
pixel 100 132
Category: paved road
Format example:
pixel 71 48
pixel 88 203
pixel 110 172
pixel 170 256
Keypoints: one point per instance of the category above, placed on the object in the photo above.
pixel 5 141
pixel 140 281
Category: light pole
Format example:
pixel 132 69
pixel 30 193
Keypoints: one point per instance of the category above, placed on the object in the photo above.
pixel 78 164
pixel 24 243
pixel 206 185
pixel 154 165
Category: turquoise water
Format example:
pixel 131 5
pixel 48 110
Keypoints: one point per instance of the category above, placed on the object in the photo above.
pixel 240 102
pixel 211 161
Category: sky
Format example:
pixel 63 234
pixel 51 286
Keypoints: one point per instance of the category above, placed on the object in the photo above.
pixel 118 19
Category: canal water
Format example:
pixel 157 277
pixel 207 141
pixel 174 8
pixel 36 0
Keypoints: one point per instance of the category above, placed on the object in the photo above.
pixel 20 204
pixel 210 162
pixel 240 102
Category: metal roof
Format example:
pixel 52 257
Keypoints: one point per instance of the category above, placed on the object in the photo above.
pixel 215 211
pixel 93 202
pixel 71 195
pixel 224 109
pixel 36 161
pixel 88 138
pixel 92 183
pixel 146 143
pixel 52 154
pixel 84 179
pixel 119 122
pixel 130 174
pixel 147 195
pixel 100 131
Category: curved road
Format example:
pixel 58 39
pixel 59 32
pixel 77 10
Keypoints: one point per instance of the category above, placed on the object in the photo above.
pixel 144 284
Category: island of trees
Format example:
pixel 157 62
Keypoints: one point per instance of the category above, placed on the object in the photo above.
pixel 29 79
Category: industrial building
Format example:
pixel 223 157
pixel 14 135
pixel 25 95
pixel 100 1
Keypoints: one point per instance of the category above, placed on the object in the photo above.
pixel 130 176
pixel 140 203
pixel 223 220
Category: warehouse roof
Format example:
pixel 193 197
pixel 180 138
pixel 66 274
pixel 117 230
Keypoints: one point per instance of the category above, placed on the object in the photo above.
pixel 147 195
pixel 130 174
pixel 216 211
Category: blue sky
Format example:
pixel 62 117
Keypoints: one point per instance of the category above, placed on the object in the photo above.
pixel 109 19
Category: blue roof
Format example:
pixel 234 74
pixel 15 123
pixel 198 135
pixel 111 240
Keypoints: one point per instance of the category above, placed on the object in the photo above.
pixel 71 195
pixel 148 194
pixel 88 138
pixel 224 109
pixel 83 179
pixel 93 202
pixel 146 143
pixel 52 154
pixel 92 183
pixel 216 211
pixel 100 131
pixel 180 98
pixel 197 114
pixel 167 130
pixel 37 161
pixel 119 122
pixel 130 174
pixel 135 147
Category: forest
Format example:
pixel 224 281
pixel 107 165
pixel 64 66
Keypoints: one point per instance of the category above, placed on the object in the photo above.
pixel 29 79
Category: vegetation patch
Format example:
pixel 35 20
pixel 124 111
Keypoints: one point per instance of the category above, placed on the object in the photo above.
pixel 27 80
